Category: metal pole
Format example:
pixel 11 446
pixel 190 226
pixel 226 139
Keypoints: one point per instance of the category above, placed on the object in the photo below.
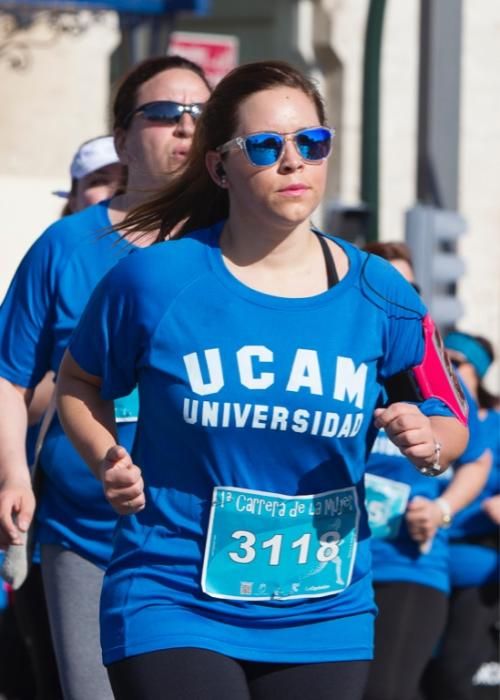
pixel 439 102
pixel 371 114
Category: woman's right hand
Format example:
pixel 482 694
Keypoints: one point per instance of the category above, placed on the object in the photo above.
pixel 423 517
pixel 122 481
pixel 17 506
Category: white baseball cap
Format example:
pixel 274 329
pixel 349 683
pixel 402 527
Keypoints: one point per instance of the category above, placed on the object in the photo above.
pixel 92 155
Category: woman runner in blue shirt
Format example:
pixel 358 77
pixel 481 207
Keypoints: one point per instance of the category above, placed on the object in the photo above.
pixel 96 175
pixel 471 635
pixel 241 564
pixel 409 516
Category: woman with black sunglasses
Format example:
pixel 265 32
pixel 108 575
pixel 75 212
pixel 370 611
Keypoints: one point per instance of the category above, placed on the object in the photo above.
pixel 241 565
pixel 74 523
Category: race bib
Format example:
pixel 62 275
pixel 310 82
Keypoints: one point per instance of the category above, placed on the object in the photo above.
pixel 386 501
pixel 127 408
pixel 265 546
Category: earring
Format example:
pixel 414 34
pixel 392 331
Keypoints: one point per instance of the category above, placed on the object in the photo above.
pixel 221 174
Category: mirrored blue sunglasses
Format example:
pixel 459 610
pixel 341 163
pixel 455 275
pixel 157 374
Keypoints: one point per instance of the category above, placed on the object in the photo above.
pixel 265 148
pixel 166 111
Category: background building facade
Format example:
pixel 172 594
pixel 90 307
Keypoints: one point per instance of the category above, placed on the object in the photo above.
pixel 62 98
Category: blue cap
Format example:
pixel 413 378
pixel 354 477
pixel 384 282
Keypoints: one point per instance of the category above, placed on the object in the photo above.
pixel 471 349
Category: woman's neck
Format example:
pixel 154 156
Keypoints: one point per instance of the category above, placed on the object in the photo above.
pixel 286 263
pixel 254 244
pixel 122 204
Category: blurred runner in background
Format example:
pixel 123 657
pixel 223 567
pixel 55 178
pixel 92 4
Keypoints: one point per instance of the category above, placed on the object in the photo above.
pixel 471 635
pixel 409 516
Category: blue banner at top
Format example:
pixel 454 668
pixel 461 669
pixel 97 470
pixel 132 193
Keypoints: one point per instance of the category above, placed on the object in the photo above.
pixel 141 7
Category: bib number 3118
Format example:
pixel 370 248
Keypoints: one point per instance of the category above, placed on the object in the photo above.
pixel 263 546
pixel 327 547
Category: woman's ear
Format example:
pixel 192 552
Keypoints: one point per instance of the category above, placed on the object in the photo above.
pixel 216 168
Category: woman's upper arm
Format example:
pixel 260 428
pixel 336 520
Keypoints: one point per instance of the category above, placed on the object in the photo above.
pixel 71 370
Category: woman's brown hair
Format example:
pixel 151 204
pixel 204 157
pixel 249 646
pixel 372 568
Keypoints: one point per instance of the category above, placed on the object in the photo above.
pixel 192 200
pixel 485 398
pixel 390 250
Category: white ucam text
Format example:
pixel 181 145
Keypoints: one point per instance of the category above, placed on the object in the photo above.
pixel 255 369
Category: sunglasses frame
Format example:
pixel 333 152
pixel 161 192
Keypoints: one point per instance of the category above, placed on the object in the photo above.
pixel 194 109
pixel 240 142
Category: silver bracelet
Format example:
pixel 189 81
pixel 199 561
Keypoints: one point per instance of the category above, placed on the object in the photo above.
pixel 445 509
pixel 435 468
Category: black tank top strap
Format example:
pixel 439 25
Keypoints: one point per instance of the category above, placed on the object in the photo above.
pixel 331 270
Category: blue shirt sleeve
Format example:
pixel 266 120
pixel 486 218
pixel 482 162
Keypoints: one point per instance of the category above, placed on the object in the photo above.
pixel 403 311
pixel 26 336
pixel 114 332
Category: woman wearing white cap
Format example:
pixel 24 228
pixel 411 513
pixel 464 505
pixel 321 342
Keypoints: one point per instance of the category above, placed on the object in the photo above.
pixel 96 174
pixel 154 113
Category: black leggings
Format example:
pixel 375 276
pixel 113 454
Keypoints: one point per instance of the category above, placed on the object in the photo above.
pixel 408 627
pixel 31 612
pixel 199 674
pixel 465 645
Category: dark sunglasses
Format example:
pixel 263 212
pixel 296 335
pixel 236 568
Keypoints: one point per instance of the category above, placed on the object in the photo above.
pixel 166 111
pixel 265 148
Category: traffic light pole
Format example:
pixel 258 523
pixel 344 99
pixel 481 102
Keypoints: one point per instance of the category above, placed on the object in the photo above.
pixel 432 235
pixel 433 225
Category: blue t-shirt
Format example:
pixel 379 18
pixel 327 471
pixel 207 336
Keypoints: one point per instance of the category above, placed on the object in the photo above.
pixel 477 442
pixel 43 304
pixel 256 419
pixel 396 556
pixel 473 563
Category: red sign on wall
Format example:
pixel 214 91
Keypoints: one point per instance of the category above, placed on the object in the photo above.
pixel 217 54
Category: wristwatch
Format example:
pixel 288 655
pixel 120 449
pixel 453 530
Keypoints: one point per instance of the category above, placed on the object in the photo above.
pixel 445 509
pixel 435 468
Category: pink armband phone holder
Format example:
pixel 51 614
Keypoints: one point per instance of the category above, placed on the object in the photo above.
pixel 433 378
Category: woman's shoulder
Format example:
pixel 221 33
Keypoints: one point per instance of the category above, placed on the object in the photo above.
pixel 71 232
pixel 60 242
pixel 163 267
pixel 379 283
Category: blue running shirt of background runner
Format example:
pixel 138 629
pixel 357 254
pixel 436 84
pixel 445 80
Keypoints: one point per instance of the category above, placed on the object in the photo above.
pixel 42 307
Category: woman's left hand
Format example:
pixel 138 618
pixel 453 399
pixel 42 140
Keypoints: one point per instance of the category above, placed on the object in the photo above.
pixel 410 430
pixel 423 517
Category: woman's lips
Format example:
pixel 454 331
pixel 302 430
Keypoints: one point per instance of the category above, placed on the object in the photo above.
pixel 180 154
pixel 294 190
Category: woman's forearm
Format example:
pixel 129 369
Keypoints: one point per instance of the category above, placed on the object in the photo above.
pixel 17 502
pixel 451 435
pixel 467 483
pixel 13 426
pixel 87 419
